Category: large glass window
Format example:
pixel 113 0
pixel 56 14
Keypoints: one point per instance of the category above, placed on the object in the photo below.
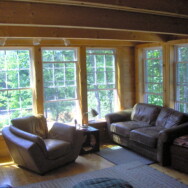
pixel 15 84
pixel 153 76
pixel 60 84
pixel 101 80
pixel 181 100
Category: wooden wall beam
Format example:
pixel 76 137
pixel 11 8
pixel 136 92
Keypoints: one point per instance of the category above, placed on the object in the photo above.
pixel 38 81
pixel 50 32
pixel 82 85
pixel 19 13
pixel 178 8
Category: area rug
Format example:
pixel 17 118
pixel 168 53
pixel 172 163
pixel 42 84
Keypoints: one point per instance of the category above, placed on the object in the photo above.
pixel 119 155
pixel 135 173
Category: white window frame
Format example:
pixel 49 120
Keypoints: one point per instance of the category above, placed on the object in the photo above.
pixel 115 82
pixel 145 78
pixel 21 88
pixel 185 84
pixel 76 62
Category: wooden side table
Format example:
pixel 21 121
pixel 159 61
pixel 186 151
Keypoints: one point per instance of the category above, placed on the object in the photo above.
pixel 101 125
pixel 91 143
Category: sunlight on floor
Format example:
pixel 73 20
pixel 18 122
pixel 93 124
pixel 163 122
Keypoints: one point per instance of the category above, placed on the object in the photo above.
pixel 8 164
pixel 111 146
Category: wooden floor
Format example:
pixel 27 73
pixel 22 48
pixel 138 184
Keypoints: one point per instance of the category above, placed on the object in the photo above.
pixel 12 175
pixel 15 176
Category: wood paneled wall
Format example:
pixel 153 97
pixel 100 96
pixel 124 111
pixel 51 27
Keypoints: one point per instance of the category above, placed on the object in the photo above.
pixel 4 153
pixel 126 77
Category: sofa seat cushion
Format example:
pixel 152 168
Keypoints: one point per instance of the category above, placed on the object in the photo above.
pixel 124 128
pixel 169 118
pixel 146 136
pixel 57 148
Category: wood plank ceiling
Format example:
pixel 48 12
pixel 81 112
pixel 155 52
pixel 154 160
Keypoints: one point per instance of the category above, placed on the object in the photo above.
pixel 133 21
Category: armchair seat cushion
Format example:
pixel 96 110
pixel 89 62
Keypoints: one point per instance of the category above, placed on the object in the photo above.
pixel 147 136
pixel 124 128
pixel 57 148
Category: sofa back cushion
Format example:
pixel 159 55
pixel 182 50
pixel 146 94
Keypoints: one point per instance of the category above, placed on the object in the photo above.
pixel 169 118
pixel 145 112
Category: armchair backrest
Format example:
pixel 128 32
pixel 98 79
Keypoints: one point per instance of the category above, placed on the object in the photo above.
pixel 32 124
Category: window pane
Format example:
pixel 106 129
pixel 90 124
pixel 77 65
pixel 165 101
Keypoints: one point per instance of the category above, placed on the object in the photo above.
pixel 102 100
pixel 24 78
pixel 26 100
pixel 182 72
pixel 59 55
pixel 15 91
pixel 101 80
pixel 153 88
pixel 183 54
pixel 154 53
pixel 154 99
pixel 62 111
pixel 182 93
pixel 153 76
pixel 3 80
pixel 182 107
pixel 24 59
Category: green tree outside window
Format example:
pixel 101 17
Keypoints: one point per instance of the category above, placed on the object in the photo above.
pixel 15 85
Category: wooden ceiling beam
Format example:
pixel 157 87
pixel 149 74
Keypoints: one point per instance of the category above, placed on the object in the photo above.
pixel 177 8
pixel 36 14
pixel 50 32
pixel 71 42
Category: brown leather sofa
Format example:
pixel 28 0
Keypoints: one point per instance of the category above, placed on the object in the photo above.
pixel 147 129
pixel 35 148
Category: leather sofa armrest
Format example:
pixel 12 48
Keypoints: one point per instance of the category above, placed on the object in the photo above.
pixel 28 136
pixel 124 115
pixel 62 131
pixel 168 135
pixel 165 140
pixel 68 133
pixel 17 143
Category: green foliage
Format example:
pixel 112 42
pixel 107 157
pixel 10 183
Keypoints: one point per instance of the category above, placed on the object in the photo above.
pixel 155 99
pixel 14 75
pixel 183 54
pixel 154 77
pixel 58 55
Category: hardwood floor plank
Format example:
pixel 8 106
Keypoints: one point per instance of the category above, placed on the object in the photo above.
pixel 182 177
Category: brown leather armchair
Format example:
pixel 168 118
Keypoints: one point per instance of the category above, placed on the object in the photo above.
pixel 33 147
